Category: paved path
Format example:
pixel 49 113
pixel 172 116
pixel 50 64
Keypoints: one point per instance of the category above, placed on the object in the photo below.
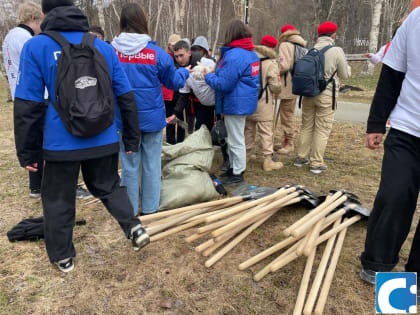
pixel 349 111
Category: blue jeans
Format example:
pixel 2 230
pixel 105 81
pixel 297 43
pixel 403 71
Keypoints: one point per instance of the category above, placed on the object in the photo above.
pixel 148 161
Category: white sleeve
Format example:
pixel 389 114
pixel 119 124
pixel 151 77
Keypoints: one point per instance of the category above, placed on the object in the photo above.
pixel 186 89
pixel 396 57
pixel 378 57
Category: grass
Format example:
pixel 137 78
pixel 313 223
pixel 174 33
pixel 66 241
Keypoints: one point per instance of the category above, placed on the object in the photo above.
pixel 169 277
pixel 358 79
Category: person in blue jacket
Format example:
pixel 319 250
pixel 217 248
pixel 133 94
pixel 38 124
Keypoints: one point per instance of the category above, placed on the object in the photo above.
pixel 236 82
pixel 147 66
pixel 64 153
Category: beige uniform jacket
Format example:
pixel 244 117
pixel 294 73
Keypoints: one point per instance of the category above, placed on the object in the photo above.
pixel 335 60
pixel 270 74
pixel 287 43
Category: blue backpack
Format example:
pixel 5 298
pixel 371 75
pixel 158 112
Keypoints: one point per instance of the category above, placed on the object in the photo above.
pixel 309 77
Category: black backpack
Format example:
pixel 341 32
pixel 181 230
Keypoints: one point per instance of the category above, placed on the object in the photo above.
pixel 299 53
pixel 309 77
pixel 262 88
pixel 83 87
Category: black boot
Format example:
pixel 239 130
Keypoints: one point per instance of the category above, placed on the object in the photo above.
pixel 233 180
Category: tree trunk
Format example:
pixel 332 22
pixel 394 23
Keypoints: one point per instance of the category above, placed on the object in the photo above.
pixel 216 38
pixel 101 14
pixel 160 5
pixel 374 31
pixel 210 20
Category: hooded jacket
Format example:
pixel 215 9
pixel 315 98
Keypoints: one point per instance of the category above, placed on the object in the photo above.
pixel 335 62
pixel 270 77
pixel 236 80
pixel 147 66
pixel 12 47
pixel 38 67
pixel 287 42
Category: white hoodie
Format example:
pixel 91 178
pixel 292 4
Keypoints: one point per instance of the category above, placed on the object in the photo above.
pixel 12 47
pixel 130 43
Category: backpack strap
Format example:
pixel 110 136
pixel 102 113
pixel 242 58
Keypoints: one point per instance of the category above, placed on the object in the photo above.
pixel 334 105
pixel 263 88
pixel 60 39
pixel 322 52
pixel 88 39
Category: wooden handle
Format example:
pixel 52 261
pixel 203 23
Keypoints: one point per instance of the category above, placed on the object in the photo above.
pixel 209 204
pixel 175 230
pixel 330 274
pixel 283 262
pixel 215 225
pixel 313 236
pixel 204 245
pixel 309 223
pixel 320 273
pixel 242 226
pixel 278 194
pixel 218 244
pixel 300 301
pixel 257 211
pixel 268 252
pixel 322 238
pixel 195 237
pixel 301 247
pixel 322 206
pixel 175 221
pixel 235 242
pixel 267 269
pixel 290 240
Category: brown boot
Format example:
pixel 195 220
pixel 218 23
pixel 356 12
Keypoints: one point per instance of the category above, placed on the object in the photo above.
pixel 250 155
pixel 269 164
pixel 287 149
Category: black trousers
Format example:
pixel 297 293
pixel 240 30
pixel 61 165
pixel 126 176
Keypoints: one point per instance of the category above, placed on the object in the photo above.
pixel 59 194
pixel 204 115
pixel 35 179
pixel 394 206
pixel 174 133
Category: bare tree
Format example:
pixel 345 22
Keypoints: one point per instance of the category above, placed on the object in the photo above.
pixel 374 30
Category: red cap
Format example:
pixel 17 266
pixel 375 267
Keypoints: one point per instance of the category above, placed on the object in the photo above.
pixel 327 28
pixel 269 40
pixel 287 27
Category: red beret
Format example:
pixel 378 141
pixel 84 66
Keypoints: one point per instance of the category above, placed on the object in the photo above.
pixel 327 28
pixel 269 40
pixel 287 27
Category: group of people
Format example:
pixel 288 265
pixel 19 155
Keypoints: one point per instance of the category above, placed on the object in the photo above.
pixel 153 88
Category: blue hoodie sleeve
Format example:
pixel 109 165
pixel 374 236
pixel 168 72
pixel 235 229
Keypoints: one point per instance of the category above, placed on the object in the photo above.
pixel 226 77
pixel 120 83
pixel 171 77
pixel 30 84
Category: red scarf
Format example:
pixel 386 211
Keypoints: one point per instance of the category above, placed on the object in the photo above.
pixel 245 43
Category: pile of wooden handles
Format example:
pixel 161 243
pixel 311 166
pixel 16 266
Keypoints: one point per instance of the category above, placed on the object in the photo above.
pixel 305 235
pixel 227 222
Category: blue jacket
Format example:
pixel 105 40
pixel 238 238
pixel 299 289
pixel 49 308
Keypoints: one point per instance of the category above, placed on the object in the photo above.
pixel 147 66
pixel 237 81
pixel 38 67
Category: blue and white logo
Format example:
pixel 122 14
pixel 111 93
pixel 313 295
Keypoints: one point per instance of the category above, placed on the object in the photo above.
pixel 396 293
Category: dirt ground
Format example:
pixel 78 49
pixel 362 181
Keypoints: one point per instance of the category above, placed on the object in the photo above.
pixel 169 277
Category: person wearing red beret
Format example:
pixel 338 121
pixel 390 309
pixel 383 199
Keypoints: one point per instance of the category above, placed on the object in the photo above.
pixel 262 119
pixel 318 112
pixel 290 42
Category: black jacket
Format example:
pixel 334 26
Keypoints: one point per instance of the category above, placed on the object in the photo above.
pixel 385 99
pixel 184 98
